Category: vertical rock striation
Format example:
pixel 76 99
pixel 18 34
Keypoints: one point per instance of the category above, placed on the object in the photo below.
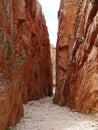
pixel 80 88
pixel 66 37
pixel 34 36
pixel 11 106
pixel 25 65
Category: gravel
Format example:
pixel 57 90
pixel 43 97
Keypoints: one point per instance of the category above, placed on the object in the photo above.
pixel 44 115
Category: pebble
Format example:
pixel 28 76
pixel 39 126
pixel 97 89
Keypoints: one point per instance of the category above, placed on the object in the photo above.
pixel 44 115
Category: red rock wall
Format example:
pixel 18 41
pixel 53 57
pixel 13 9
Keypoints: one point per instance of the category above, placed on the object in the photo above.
pixel 66 36
pixel 80 89
pixel 32 35
pixel 25 66
pixel 11 108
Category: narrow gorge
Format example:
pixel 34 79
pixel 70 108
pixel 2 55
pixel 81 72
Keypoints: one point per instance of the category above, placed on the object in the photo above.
pixel 26 66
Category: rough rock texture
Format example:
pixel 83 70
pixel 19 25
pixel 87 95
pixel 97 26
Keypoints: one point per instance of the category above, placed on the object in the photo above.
pixel 38 61
pixel 80 87
pixel 25 66
pixel 66 36
pixel 11 108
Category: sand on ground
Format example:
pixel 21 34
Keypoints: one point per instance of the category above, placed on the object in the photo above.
pixel 44 115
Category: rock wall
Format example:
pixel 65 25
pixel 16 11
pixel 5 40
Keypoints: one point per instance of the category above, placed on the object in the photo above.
pixel 80 87
pixel 66 37
pixel 35 38
pixel 11 108
pixel 25 65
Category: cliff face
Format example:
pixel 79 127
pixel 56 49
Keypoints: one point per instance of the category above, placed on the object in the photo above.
pixel 25 66
pixel 11 108
pixel 38 61
pixel 79 90
pixel 66 37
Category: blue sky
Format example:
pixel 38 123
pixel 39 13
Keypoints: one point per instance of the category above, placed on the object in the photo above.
pixel 50 9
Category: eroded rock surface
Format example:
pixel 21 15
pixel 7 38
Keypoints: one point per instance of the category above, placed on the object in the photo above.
pixel 66 37
pixel 79 87
pixel 36 41
pixel 25 66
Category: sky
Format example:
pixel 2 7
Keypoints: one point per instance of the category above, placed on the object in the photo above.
pixel 50 9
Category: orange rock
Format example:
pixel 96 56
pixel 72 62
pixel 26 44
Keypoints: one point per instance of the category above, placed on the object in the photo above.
pixel 25 64
pixel 79 89
pixel 66 37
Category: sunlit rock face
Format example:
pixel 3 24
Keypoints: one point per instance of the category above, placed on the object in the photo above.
pixel 66 37
pixel 25 66
pixel 11 106
pixel 79 87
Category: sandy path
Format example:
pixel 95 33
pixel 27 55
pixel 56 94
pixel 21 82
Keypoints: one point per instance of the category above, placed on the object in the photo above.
pixel 44 115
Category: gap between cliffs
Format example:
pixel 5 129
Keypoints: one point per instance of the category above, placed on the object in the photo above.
pixel 26 69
